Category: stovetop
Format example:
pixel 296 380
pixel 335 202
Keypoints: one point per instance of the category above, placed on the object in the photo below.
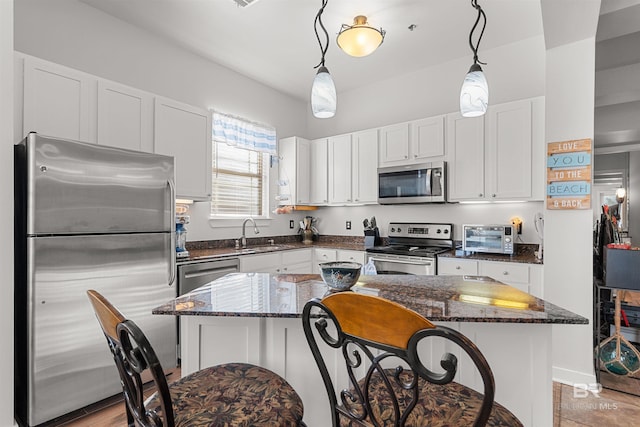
pixel 429 251
pixel 417 239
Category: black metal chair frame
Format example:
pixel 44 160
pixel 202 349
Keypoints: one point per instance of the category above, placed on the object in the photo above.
pixel 133 354
pixel 355 403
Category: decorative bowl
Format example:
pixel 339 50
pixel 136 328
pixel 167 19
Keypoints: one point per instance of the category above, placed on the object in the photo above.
pixel 340 275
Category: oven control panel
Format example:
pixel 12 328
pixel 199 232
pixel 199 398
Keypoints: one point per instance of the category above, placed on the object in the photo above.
pixel 421 230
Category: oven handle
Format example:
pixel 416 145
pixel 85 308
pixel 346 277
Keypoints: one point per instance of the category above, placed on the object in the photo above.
pixel 401 261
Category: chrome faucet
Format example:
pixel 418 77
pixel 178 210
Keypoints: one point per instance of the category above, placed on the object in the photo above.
pixel 243 239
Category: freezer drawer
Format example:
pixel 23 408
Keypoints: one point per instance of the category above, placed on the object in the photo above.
pixel 69 364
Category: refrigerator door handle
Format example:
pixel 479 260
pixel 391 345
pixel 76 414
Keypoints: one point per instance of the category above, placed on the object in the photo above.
pixel 172 203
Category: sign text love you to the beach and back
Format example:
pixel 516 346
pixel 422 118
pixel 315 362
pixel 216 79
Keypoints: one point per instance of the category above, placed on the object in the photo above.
pixel 569 174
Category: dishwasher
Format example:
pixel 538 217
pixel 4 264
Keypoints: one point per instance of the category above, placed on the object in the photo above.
pixel 195 274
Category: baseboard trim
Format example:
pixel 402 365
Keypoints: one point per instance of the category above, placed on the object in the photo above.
pixel 570 377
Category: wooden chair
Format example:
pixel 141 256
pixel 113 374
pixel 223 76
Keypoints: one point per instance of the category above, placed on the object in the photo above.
pixel 228 394
pixel 389 383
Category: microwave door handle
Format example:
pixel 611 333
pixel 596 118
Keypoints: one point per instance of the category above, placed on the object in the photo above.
pixel 429 183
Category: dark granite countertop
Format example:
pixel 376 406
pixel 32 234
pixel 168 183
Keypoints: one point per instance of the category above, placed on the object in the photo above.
pixel 524 254
pixel 219 249
pixel 211 250
pixel 439 298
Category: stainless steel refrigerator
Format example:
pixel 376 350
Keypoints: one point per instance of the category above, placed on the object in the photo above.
pixel 87 217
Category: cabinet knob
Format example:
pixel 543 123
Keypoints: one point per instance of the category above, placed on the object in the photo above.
pixel 415 156
pixel 493 195
pixel 357 200
pixel 406 157
pixel 285 269
pixel 458 267
pixel 505 273
pixel 480 195
pixel 277 270
pixel 325 201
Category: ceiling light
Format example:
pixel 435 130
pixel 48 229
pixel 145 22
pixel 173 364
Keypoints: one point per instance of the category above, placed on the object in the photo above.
pixel 323 91
pixel 474 95
pixel 621 193
pixel 360 39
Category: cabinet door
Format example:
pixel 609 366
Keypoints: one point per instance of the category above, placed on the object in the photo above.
pixel 319 164
pixel 58 101
pixel 351 256
pixel 323 255
pixel 427 138
pixel 509 151
pixel 184 132
pixel 465 139
pixel 456 266
pixel 303 177
pixel 365 167
pixel 340 169
pixel 125 117
pixel 516 275
pixel 394 144
pixel 262 263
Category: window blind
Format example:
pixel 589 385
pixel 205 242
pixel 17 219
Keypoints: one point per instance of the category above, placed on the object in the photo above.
pixel 237 181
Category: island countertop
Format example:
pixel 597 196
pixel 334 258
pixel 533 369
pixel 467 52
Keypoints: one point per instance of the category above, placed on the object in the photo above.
pixel 438 298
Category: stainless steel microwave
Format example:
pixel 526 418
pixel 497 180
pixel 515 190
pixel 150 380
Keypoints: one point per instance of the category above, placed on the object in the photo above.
pixel 494 239
pixel 419 183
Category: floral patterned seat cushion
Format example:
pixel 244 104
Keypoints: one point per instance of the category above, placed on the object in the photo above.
pixel 449 405
pixel 233 394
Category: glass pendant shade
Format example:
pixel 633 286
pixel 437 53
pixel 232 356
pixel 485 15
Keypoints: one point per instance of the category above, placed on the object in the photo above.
pixel 360 39
pixel 323 95
pixel 474 95
pixel 621 193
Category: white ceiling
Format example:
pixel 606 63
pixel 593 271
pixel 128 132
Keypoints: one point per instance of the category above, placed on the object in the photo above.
pixel 272 41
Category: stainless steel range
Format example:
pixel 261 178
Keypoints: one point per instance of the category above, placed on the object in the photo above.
pixel 412 248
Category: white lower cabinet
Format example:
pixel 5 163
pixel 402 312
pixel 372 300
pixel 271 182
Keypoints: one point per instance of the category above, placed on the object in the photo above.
pixel 279 344
pixel 296 261
pixel 327 255
pixel 526 277
pixel 456 266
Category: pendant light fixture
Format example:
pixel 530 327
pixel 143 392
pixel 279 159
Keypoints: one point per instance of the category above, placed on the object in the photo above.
pixel 323 91
pixel 474 95
pixel 360 39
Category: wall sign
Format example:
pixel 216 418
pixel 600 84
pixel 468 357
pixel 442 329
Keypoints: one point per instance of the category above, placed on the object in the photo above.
pixel 569 174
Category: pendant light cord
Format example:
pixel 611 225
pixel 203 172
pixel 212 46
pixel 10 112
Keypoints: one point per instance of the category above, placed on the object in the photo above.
pixel 481 14
pixel 317 21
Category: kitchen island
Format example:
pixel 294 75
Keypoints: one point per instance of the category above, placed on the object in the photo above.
pixel 256 318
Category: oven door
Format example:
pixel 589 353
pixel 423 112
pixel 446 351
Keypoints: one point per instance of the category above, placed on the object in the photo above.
pixel 398 264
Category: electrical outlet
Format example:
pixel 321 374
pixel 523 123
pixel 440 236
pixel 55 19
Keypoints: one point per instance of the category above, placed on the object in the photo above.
pixel 348 225
pixel 291 223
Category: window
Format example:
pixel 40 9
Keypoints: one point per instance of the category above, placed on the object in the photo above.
pixel 240 178
pixel 239 182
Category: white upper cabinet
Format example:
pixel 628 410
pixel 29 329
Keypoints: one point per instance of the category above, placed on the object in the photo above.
pixel 184 132
pixel 58 101
pixel 294 170
pixel 394 144
pixel 364 173
pixel 427 139
pixel 318 193
pixel 498 156
pixel 466 157
pixel 125 117
pixel 417 141
pixel 340 170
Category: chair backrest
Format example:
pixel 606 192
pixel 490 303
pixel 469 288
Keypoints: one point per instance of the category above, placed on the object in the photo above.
pixel 133 355
pixel 372 333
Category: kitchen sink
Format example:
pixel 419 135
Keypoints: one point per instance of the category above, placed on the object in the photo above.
pixel 245 251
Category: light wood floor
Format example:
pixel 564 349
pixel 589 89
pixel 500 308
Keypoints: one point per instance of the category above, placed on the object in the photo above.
pixel 611 409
